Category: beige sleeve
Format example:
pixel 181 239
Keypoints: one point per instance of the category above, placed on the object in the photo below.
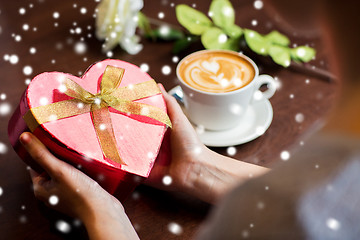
pixel 313 195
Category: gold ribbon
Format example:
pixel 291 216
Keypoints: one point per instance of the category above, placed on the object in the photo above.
pixel 98 105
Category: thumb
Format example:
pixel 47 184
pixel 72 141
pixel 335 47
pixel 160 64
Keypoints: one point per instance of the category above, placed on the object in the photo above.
pixel 41 154
pixel 176 114
pixel 182 129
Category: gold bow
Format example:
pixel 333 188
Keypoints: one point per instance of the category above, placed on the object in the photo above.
pixel 98 105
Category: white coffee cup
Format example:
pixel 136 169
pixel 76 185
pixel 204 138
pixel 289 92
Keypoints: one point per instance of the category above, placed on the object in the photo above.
pixel 223 110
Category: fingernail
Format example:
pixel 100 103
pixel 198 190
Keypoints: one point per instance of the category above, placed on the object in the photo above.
pixel 161 87
pixel 25 138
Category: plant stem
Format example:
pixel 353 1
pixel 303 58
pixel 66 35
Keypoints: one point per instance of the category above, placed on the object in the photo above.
pixel 161 23
pixel 312 70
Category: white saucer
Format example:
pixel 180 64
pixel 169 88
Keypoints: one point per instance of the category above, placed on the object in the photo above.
pixel 256 121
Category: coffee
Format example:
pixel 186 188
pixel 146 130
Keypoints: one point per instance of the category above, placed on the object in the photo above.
pixel 216 71
pixel 218 86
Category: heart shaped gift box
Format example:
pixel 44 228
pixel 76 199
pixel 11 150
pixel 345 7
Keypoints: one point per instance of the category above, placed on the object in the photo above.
pixel 110 123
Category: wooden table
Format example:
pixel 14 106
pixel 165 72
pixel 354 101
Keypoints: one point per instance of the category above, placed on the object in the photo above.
pixel 28 25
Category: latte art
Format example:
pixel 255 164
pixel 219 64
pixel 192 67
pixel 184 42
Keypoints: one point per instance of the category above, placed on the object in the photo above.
pixel 216 72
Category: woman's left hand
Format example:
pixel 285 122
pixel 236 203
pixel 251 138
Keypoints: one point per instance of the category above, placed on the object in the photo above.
pixel 68 190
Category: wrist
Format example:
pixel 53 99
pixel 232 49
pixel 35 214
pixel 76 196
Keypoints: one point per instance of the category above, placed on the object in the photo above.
pixel 205 178
pixel 96 210
pixel 214 175
pixel 108 221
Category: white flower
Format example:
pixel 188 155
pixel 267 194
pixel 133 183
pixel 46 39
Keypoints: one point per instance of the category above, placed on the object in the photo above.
pixel 116 23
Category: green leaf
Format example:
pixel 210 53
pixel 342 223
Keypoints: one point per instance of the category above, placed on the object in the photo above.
pixel 193 20
pixel 278 38
pixel 143 22
pixel 256 42
pixel 232 44
pixel 215 38
pixel 222 13
pixel 168 34
pixel 303 53
pixel 233 31
pixel 280 55
pixel 183 43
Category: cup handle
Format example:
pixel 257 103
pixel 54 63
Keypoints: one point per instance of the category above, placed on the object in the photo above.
pixel 271 84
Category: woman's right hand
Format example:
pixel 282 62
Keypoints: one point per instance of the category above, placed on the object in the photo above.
pixel 186 150
pixel 195 169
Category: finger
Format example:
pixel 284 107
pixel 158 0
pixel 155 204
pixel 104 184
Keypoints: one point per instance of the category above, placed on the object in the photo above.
pixel 38 177
pixel 182 127
pixel 33 173
pixel 40 154
pixel 39 181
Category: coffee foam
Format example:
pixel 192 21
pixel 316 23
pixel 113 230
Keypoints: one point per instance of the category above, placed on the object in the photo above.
pixel 216 72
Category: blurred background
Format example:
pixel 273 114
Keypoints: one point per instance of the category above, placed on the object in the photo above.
pixel 44 35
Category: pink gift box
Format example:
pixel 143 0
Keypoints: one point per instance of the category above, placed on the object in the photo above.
pixel 75 140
